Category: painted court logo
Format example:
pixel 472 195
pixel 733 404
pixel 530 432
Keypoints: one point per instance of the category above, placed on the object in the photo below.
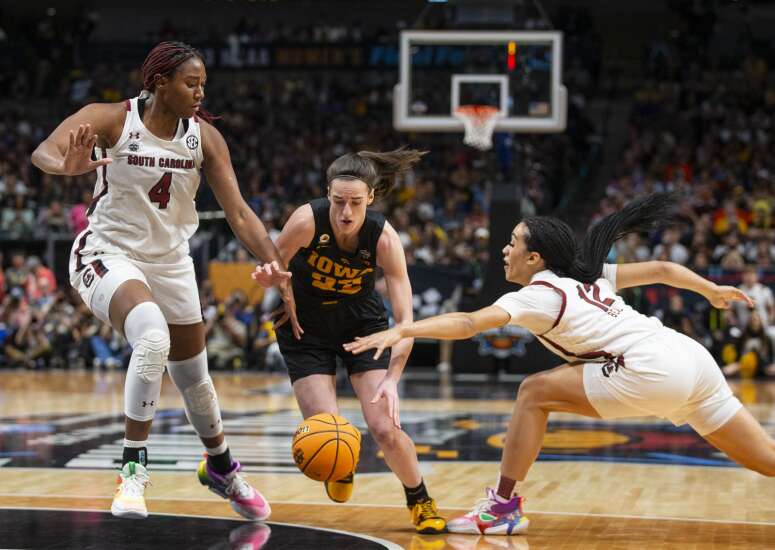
pixel 95 441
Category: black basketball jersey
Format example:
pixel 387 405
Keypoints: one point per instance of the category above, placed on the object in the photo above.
pixel 324 275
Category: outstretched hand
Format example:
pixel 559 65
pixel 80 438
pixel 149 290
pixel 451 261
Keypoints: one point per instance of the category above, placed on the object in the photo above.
pixel 380 340
pixel 270 274
pixel 723 296
pixel 77 158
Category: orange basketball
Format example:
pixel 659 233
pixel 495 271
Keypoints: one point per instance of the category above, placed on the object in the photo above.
pixel 326 447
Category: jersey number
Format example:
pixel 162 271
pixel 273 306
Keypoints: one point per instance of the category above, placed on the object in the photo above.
pixel 160 193
pixel 342 286
pixel 595 300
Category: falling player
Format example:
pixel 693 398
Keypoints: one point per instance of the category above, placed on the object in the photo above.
pixel 131 265
pixel 620 363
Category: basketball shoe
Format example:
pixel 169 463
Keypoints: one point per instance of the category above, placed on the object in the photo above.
pixel 341 490
pixel 490 517
pixel 128 501
pixel 426 518
pixel 244 499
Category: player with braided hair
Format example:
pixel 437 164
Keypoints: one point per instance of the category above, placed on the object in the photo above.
pixel 132 266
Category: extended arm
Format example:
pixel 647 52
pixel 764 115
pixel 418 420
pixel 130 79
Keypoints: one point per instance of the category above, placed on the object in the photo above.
pixel 67 151
pixel 223 181
pixel 450 326
pixel 675 275
pixel 242 220
pixel 390 257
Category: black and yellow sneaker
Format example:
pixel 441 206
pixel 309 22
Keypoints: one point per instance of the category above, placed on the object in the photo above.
pixel 426 518
pixel 340 491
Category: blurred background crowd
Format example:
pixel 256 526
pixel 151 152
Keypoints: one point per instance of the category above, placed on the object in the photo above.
pixel 698 117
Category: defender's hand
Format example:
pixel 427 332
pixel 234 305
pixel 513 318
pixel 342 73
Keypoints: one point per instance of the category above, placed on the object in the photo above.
pixel 380 340
pixel 723 296
pixel 77 158
pixel 270 274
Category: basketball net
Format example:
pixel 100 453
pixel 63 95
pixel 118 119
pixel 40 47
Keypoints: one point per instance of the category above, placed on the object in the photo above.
pixel 479 122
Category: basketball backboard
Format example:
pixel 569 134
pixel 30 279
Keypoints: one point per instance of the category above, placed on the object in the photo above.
pixel 519 72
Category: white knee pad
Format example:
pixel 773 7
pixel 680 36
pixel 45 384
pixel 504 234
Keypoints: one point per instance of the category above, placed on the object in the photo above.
pixel 151 351
pixel 147 332
pixel 194 383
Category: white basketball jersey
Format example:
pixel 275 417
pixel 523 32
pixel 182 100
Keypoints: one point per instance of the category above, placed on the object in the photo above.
pixel 144 200
pixel 592 323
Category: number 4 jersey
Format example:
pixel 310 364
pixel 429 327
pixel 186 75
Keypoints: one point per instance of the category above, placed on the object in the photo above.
pixel 143 203
pixel 580 322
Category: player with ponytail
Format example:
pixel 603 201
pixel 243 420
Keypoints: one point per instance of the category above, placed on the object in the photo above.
pixel 333 247
pixel 619 363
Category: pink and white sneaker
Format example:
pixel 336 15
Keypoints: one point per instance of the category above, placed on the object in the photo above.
pixel 490 517
pixel 244 499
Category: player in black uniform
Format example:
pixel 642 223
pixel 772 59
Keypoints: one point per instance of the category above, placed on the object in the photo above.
pixel 333 247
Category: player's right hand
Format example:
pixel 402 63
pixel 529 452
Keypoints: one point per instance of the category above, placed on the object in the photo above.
pixel 723 296
pixel 77 158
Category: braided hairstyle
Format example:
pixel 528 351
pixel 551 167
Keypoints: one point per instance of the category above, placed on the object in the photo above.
pixel 163 60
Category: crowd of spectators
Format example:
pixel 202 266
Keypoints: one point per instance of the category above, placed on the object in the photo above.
pixel 703 125
pixel 283 129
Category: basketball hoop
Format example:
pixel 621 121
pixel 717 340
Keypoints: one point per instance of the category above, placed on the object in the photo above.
pixel 479 122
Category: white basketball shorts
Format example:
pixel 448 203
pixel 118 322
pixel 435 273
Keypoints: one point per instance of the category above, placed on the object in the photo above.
pixel 667 375
pixel 98 268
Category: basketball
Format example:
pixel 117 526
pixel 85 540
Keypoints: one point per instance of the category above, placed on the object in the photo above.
pixel 326 447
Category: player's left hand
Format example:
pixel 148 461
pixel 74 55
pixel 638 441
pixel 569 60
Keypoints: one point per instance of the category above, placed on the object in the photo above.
pixel 380 340
pixel 288 310
pixel 723 296
pixel 388 390
pixel 270 274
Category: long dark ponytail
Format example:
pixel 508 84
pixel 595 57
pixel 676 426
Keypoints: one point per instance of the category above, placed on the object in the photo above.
pixel 377 170
pixel 553 239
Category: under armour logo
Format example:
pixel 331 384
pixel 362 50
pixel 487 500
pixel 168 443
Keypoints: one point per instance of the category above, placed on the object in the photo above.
pixel 134 135
pixel 148 403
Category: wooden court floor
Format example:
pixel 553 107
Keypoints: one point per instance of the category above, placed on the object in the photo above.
pixel 636 484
